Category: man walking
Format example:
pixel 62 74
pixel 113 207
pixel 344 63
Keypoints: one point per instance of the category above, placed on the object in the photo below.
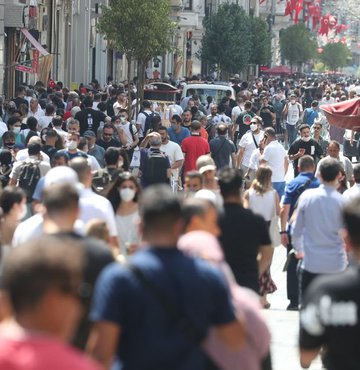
pixel 222 149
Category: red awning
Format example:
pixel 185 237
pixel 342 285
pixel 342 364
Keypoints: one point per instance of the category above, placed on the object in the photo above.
pixel 345 114
pixel 34 43
pixel 279 70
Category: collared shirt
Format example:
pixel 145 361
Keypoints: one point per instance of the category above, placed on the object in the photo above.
pixel 352 193
pixel 316 230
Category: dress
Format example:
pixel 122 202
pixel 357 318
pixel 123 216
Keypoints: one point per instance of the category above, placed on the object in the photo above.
pixel 127 228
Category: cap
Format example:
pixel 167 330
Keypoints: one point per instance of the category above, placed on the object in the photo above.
pixel 205 163
pixel 89 133
pixel 61 174
pixel 236 75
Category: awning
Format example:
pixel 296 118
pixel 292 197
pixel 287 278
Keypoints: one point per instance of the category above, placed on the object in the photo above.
pixel 34 43
pixel 345 114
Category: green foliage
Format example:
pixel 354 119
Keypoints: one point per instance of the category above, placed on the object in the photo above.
pixel 297 44
pixel 319 67
pixel 335 55
pixel 140 29
pixel 260 51
pixel 227 40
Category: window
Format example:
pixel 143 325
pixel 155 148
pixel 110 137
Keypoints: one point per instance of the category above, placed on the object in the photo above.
pixel 187 4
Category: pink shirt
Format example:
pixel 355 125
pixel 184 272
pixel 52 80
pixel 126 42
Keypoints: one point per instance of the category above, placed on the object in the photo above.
pixel 41 353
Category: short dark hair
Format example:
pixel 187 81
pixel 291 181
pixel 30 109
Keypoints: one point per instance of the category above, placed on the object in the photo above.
pixel 81 166
pixel 111 155
pixel 146 104
pixel 57 121
pixel 60 197
pixel 12 120
pixel 194 175
pixel 351 215
pixel 177 118
pixel 11 195
pixel 195 125
pixel 49 109
pixel 230 181
pixel 306 163
pixel 42 264
pixel 8 135
pixel 304 126
pixel 195 207
pixel 108 125
pixel 314 103
pixel 357 173
pixel 269 131
pixel 160 209
pixel 32 123
pixel 88 102
pixel 329 168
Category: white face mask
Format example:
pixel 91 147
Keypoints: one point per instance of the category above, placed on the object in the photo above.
pixel 72 145
pixel 127 194
pixel 253 126
pixel 293 101
pixel 16 130
pixel 122 119
pixel 306 139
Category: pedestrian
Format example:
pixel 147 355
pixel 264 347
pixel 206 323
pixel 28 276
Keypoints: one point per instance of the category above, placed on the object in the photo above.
pixel 177 133
pixel 294 188
pixel 304 145
pixel 312 113
pixel 127 307
pixel 222 149
pixel 330 316
pixel 263 200
pixel 244 235
pixel 293 113
pixel 315 234
pixel 353 192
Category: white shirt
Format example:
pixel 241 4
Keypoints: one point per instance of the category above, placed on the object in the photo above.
pixel 129 136
pixel 351 193
pixel 94 206
pixel 39 113
pixel 275 155
pixel 44 121
pixel 3 128
pixel 23 154
pixel 176 109
pixel 247 142
pixel 293 114
pixel 235 113
pixel 346 163
pixel 174 153
pixel 255 160
pixel 141 119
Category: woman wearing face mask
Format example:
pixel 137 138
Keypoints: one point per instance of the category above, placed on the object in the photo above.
pixel 123 195
pixel 14 125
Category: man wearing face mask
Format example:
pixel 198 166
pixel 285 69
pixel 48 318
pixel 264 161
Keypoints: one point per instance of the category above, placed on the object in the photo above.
pixel 248 143
pixel 14 125
pixel 154 164
pixel 292 112
pixel 304 145
pixel 127 130
pixel 93 149
pixel 176 132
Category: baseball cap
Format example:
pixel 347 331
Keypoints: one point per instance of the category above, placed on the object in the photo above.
pixel 205 163
pixel 89 133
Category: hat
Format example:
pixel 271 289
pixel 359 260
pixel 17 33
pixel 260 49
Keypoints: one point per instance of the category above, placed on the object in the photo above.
pixel 236 75
pixel 89 133
pixel 205 163
pixel 207 195
pixel 61 174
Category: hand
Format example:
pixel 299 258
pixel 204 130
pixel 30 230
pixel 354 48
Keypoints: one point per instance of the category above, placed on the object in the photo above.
pixel 301 152
pixel 299 255
pixel 284 239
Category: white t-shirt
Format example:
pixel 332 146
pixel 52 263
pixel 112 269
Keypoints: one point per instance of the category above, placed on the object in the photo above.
pixel 3 128
pixel 39 113
pixel 129 136
pixel 247 142
pixel 44 121
pixel 274 155
pixel 174 153
pixel 23 154
pixel 255 160
pixel 235 113
pixel 176 109
pixel 293 114
pixel 141 119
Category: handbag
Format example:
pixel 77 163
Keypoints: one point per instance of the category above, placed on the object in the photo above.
pixel 274 228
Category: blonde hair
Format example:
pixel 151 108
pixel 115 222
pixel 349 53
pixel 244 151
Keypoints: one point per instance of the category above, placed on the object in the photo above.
pixel 262 181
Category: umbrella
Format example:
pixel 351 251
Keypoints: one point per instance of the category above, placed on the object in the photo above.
pixel 279 70
pixel 345 114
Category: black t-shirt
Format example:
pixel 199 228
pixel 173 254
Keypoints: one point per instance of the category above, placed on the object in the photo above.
pixel 311 148
pixel 89 120
pixel 107 144
pixel 18 101
pixel 265 114
pixel 243 121
pixel 331 318
pixel 242 233
pixel 49 150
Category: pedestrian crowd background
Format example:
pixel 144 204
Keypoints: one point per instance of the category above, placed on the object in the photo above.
pixel 149 246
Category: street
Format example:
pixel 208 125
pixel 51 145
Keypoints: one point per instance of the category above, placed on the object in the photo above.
pixel 283 324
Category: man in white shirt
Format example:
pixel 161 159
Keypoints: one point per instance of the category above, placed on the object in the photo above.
pixel 354 191
pixel 275 157
pixel 334 152
pixel 35 109
pixel 141 118
pixel 174 153
pixel 293 111
pixel 121 103
pixel 222 118
pixel 45 120
pixel 235 113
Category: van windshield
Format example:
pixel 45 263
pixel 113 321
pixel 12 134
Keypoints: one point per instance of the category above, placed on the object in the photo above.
pixel 217 95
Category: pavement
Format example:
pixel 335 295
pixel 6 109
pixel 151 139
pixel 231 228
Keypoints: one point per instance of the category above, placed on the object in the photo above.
pixel 283 324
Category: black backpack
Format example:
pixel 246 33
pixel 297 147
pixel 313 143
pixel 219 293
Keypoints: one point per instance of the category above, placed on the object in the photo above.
pixel 29 176
pixel 155 168
pixel 147 125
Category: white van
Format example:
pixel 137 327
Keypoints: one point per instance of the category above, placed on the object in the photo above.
pixel 204 90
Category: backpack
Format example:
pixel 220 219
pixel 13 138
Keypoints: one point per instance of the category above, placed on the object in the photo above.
pixel 29 177
pixel 155 168
pixel 147 125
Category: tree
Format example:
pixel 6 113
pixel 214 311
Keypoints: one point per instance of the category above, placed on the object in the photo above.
pixel 297 44
pixel 335 55
pixel 226 41
pixel 140 29
pixel 260 51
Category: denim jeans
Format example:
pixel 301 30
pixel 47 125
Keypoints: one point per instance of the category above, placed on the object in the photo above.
pixel 279 187
pixel 292 133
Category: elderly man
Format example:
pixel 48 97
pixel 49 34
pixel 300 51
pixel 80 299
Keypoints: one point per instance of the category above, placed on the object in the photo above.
pixel 35 109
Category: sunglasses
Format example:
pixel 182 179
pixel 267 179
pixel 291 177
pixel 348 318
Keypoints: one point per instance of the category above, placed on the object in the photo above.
pixel 317 128
pixel 107 134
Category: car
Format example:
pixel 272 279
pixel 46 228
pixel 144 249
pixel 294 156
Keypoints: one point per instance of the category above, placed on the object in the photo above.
pixel 203 90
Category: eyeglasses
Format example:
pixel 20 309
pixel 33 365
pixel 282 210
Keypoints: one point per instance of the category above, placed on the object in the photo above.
pixel 317 128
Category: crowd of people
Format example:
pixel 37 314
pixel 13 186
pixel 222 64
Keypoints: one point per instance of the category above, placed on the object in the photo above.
pixel 148 245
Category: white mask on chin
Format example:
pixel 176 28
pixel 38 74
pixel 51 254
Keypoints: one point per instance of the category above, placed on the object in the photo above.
pixel 306 139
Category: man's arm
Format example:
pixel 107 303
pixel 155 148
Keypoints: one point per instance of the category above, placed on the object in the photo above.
pixel 232 335
pixel 307 356
pixel 177 164
pixel 103 341
pixel 284 215
pixel 240 156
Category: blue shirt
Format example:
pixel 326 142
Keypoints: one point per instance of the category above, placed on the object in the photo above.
pixel 150 338
pixel 311 115
pixel 316 230
pixel 178 137
pixel 295 187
